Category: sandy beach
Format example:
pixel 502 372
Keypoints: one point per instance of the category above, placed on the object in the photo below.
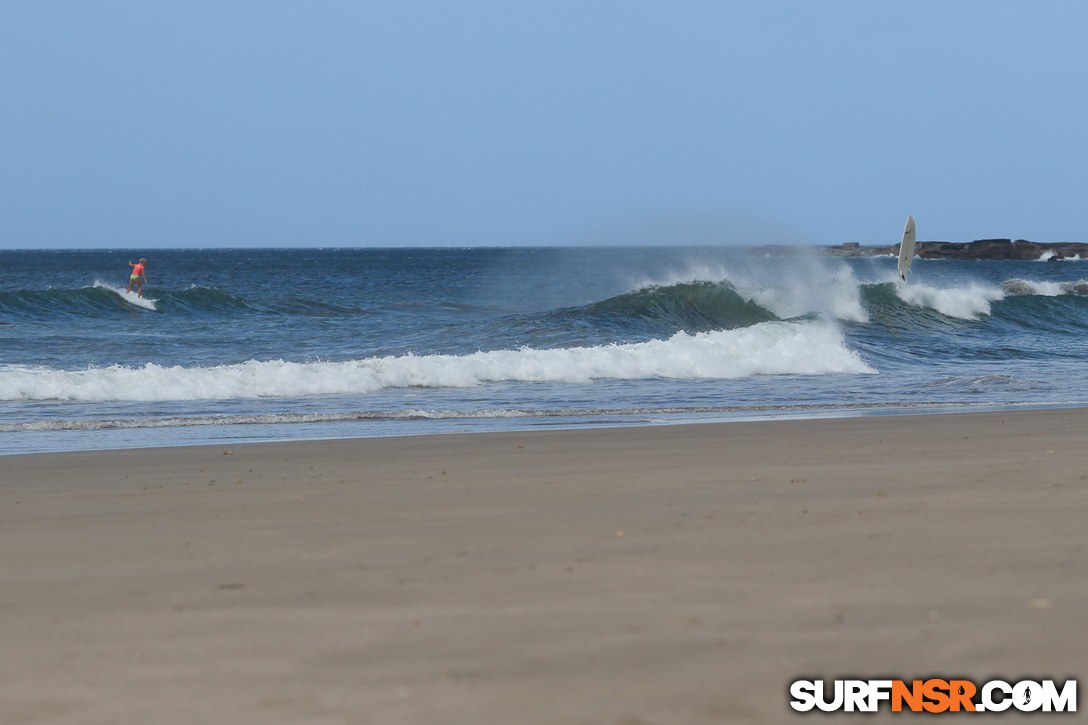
pixel 679 574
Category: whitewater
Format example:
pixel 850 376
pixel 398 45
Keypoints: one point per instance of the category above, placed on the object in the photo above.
pixel 270 344
pixel 768 348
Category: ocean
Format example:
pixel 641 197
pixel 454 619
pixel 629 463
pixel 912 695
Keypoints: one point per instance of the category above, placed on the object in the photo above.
pixel 233 345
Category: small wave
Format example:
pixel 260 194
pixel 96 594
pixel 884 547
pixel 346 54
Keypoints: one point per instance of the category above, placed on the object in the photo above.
pixel 971 382
pixel 313 308
pixel 271 419
pixel 102 298
pixel 1080 287
pixel 96 300
pixel 360 415
pixel 200 299
pixel 1045 288
pixel 771 348
pixel 369 415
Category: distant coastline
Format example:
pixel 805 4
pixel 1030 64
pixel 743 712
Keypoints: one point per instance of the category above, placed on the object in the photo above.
pixel 1021 249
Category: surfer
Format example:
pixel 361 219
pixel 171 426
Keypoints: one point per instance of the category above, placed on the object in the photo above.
pixel 137 271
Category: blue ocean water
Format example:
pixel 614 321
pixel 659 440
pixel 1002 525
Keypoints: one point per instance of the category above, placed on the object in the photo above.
pixel 252 344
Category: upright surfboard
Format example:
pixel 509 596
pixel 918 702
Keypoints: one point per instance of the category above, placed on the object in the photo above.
pixel 906 249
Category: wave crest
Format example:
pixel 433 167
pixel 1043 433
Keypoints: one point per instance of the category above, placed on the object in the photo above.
pixel 690 306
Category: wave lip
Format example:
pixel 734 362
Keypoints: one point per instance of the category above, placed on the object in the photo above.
pixel 772 348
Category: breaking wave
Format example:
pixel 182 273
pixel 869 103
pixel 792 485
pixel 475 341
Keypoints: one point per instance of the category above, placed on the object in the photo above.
pixel 769 348
pixel 967 303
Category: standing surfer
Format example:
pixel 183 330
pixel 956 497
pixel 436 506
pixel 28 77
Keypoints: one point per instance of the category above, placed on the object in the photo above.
pixel 137 271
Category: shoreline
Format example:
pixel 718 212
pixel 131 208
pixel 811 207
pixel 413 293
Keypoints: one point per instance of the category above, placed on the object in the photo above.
pixel 709 416
pixel 679 574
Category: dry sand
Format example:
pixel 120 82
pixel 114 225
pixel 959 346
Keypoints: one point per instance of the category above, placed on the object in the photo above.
pixel 680 574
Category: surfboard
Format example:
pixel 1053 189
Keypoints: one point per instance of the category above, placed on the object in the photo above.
pixel 906 249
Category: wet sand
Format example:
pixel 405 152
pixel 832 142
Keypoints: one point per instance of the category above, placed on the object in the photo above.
pixel 679 574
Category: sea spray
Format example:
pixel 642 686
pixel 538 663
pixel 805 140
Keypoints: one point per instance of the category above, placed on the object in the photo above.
pixel 833 294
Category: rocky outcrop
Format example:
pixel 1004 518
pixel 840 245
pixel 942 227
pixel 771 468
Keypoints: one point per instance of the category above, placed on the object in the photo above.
pixel 1021 249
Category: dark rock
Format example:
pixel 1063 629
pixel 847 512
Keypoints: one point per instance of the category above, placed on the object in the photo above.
pixel 1021 249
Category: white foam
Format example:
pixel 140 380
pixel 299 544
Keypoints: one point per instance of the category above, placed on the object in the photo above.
pixel 967 303
pixel 130 297
pixel 770 348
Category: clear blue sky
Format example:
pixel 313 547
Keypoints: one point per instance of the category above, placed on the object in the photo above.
pixel 172 124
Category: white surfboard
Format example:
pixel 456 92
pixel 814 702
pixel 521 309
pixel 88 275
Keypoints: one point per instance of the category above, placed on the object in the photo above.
pixel 906 249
